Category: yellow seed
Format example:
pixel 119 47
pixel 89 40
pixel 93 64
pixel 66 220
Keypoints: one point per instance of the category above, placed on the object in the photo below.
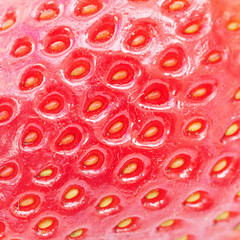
pixel 154 95
pixel 46 172
pixel 21 51
pixel 106 202
pixel 125 223
pixel 95 106
pixel 183 238
pixel 167 223
pixel 116 127
pixel 199 92
pixel 170 63
pixel 78 71
pixel 232 129
pixel 31 82
pixel 177 163
pixel 193 198
pixel 237 228
pixel 4 115
pixel 237 95
pixel 120 75
pixel 130 168
pixel 138 40
pixel 220 165
pixel 192 29
pixel 76 233
pixel 7 24
pixel 103 35
pixel 222 216
pixel 71 193
pixel 27 201
pixel 68 139
pixel 89 9
pixel 91 160
pixel 6 171
pixel 150 132
pixel 58 46
pixel 47 14
pixel 31 137
pixel 52 105
pixel 194 127
pixel 233 26
pixel 177 5
pixel 45 223
pixel 238 194
pixel 214 57
pixel 151 195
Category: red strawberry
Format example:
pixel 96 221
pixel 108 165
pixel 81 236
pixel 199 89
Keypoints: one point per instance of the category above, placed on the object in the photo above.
pixel 119 119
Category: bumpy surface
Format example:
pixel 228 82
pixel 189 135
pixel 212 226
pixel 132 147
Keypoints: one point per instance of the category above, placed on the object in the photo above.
pixel 119 119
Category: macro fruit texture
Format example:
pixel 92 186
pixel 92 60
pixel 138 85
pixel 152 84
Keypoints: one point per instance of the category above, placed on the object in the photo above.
pixel 119 119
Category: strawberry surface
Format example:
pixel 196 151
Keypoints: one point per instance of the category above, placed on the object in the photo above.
pixel 119 119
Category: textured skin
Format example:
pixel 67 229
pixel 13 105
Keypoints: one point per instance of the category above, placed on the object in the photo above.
pixel 126 102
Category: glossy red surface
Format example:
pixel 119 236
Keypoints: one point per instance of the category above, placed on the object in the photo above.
pixel 119 119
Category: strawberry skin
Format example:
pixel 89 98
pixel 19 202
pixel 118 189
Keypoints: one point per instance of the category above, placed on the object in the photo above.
pixel 119 119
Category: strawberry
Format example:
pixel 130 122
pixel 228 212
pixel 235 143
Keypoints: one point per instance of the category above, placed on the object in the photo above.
pixel 119 119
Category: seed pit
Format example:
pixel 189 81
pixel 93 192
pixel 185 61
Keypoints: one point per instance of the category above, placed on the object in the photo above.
pixel 117 128
pixel 192 28
pixel 46 174
pixel 138 39
pixel 198 200
pixel 131 170
pixel 179 163
pixel 232 131
pixel 93 160
pixel 153 131
pixel 213 57
pixel 109 205
pixel 6 112
pixel 155 94
pixel 103 30
pixel 220 166
pixel 79 233
pixel 47 11
pixel 8 171
pixel 195 128
pixel 121 74
pixel 32 136
pixel 73 196
pixel 8 20
pixel 27 204
pixel 172 60
pixel 21 47
pixel 174 6
pixel 52 104
pixel 58 40
pixel 46 226
pixel 87 8
pixel 69 139
pixel 31 78
pixel 201 92
pixel 95 106
pixel 126 225
pixel 155 199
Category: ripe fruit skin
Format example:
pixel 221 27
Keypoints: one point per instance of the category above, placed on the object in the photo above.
pixel 119 119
